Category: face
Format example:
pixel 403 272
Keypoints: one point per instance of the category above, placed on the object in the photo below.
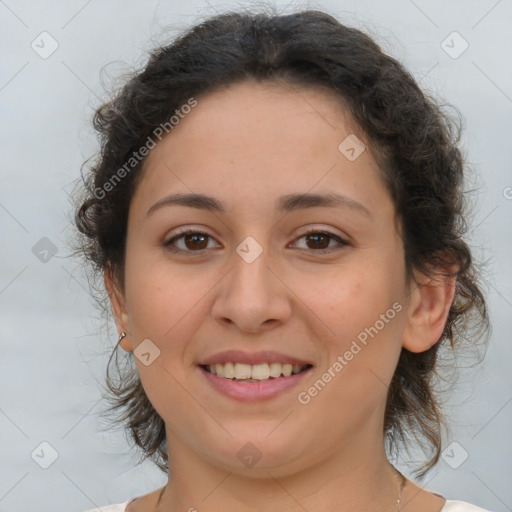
pixel 272 277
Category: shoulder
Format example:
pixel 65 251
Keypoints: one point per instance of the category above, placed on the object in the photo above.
pixel 120 507
pixel 461 506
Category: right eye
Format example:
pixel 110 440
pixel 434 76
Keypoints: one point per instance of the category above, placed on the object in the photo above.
pixel 191 241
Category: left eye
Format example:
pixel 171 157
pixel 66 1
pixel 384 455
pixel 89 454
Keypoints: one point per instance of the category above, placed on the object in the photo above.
pixel 195 241
pixel 321 241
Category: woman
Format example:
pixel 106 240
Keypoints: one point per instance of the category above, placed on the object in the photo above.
pixel 277 214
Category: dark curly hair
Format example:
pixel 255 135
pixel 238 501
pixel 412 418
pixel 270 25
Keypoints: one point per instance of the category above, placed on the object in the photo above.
pixel 415 141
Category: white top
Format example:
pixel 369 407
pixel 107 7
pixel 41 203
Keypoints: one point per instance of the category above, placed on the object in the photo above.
pixel 449 506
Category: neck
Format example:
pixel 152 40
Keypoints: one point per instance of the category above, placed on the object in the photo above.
pixel 355 478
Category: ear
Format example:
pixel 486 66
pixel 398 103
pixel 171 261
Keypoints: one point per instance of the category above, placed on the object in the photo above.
pixel 428 308
pixel 118 303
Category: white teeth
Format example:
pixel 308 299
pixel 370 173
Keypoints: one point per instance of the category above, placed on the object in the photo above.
pixel 263 371
pixel 229 370
pixel 260 371
pixel 287 370
pixel 275 369
pixel 242 371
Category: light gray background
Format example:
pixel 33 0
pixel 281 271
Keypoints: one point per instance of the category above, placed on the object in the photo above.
pixel 52 356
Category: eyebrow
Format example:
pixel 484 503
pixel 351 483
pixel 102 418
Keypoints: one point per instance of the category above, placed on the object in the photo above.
pixel 288 203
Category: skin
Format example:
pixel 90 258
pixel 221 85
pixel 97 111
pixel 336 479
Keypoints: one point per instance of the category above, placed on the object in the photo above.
pixel 247 145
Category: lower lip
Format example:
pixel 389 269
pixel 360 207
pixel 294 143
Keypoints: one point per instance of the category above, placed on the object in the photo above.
pixel 253 391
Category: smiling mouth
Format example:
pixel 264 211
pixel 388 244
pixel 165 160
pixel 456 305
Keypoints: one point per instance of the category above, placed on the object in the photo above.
pixel 255 373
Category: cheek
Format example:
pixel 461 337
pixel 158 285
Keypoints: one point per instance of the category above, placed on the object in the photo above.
pixel 163 308
pixel 160 298
pixel 366 314
pixel 356 300
pixel 365 309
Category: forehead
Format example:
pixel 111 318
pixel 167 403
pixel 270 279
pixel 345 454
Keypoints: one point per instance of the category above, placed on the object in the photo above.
pixel 265 109
pixel 254 140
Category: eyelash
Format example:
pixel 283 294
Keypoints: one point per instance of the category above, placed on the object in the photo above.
pixel 168 243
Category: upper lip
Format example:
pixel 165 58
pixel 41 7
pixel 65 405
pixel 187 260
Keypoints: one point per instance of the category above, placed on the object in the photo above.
pixel 252 358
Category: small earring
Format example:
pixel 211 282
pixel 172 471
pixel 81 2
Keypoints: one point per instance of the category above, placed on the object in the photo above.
pixel 121 336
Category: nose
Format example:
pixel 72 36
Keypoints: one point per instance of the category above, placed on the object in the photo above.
pixel 252 296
